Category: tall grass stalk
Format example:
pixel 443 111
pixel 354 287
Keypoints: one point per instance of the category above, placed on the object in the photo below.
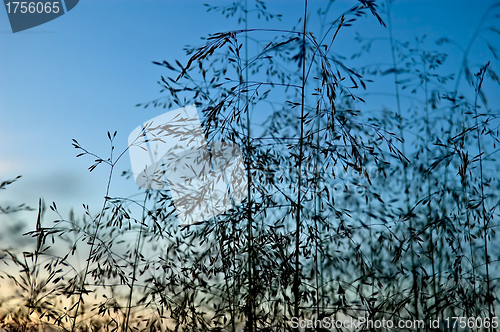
pixel 484 214
pixel 251 255
pixel 137 256
pixel 112 164
pixel 296 281
pixel 405 179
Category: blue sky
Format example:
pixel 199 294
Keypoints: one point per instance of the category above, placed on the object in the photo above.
pixel 80 76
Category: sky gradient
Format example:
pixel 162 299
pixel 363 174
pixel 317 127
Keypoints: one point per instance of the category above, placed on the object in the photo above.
pixel 82 74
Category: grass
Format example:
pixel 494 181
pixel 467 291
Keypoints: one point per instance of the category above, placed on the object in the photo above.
pixel 414 239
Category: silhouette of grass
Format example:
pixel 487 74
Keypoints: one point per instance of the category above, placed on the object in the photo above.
pixel 347 215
